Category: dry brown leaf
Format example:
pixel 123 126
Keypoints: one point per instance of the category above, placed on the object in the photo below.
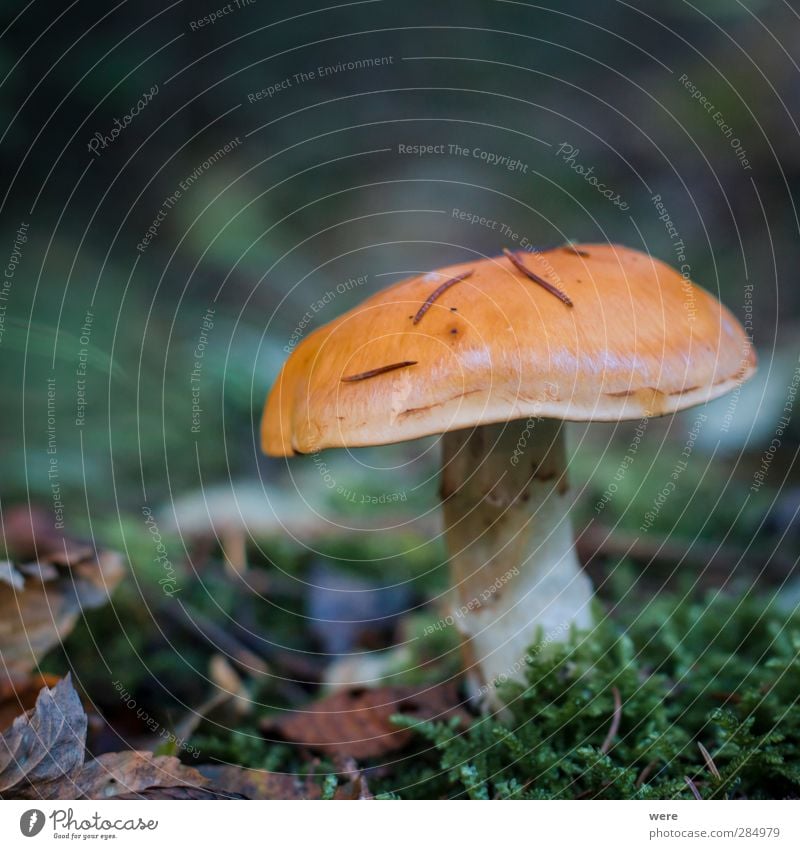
pixel 42 757
pixel 31 535
pixel 356 723
pixel 40 603
pixel 258 784
pixel 121 773
pixel 45 745
pixel 180 794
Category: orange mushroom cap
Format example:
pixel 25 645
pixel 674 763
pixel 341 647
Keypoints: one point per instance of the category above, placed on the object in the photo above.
pixel 639 339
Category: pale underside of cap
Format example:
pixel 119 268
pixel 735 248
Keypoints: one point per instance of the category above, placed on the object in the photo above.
pixel 639 340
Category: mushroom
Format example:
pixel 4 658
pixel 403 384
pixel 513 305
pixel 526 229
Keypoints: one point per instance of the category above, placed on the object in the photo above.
pixel 495 355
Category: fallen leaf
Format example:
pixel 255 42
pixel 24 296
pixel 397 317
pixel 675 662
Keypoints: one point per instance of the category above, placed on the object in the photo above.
pixel 258 783
pixel 356 723
pixel 45 745
pixel 40 603
pixel 179 794
pixel 42 757
pixel 117 773
pixel 31 535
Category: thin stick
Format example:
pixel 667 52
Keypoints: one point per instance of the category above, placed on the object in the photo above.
pixel 553 290
pixel 438 293
pixel 374 372
pixel 615 721
pixel 218 638
pixel 713 562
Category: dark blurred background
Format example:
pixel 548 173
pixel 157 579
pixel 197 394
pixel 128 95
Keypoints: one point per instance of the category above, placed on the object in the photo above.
pixel 267 183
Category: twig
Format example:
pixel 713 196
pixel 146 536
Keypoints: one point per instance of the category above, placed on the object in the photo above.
pixel 218 638
pixel 437 293
pixel 553 290
pixel 615 721
pixel 374 372
pixel 187 726
pixel 707 559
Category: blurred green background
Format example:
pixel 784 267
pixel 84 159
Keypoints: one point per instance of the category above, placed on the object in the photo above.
pixel 317 193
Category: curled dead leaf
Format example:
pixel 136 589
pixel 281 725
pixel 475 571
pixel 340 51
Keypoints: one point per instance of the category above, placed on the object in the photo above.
pixel 46 745
pixel 117 774
pixel 42 757
pixel 41 601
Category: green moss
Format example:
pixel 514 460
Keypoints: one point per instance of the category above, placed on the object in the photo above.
pixel 722 674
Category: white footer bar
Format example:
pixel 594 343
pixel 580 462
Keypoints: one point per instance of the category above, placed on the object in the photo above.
pixel 398 825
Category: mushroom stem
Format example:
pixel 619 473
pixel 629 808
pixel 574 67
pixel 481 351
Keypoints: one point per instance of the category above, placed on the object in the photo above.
pixel 517 583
